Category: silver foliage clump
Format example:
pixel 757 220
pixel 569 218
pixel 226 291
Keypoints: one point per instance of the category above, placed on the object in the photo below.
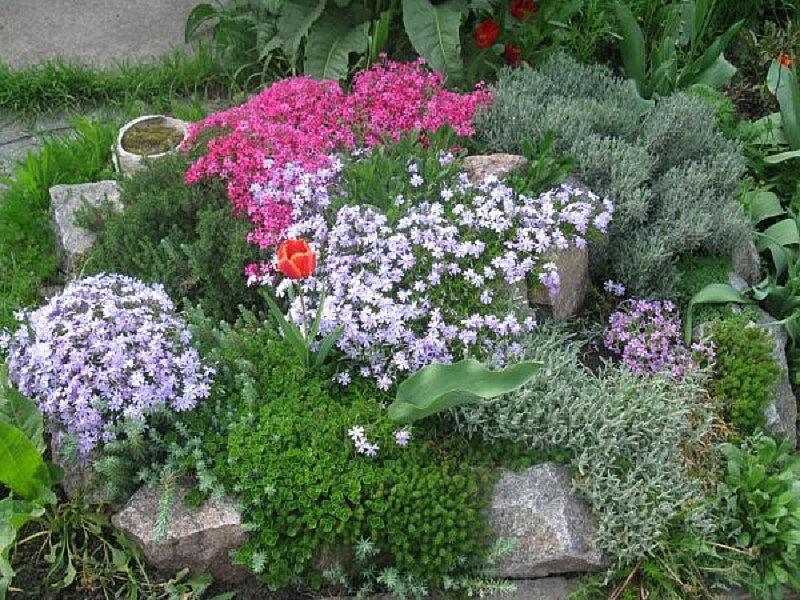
pixel 647 158
pixel 626 434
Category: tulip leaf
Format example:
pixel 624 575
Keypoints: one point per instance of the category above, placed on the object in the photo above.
pixel 715 293
pixel 763 205
pixel 438 387
pixel 633 47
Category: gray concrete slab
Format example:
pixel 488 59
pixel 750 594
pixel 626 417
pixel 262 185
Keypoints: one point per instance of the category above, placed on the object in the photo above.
pixel 100 32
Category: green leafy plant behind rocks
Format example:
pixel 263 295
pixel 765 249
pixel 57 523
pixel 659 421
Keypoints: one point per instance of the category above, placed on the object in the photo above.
pixel 185 238
pixel 745 372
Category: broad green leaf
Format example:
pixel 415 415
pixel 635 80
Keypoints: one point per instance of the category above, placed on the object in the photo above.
pixel 331 40
pixel 766 130
pixel 438 387
pixel 695 73
pixel 783 232
pixel 783 156
pixel 22 413
pixel 199 15
pixel 22 469
pixel 295 20
pixel 782 82
pixel 714 293
pixel 14 514
pixel 290 331
pixel 717 75
pixel 763 205
pixel 633 48
pixel 434 33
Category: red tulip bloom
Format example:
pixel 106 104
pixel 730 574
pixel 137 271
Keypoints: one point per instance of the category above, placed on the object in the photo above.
pixel 520 9
pixel 512 55
pixel 486 33
pixel 295 259
pixel 786 60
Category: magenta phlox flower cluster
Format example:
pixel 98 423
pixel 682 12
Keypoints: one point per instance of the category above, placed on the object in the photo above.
pixel 433 285
pixel 107 350
pixel 297 124
pixel 646 336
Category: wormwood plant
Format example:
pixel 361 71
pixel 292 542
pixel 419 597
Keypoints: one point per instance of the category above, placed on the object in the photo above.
pixel 185 238
pixel 27 250
pixel 745 372
pixel 672 175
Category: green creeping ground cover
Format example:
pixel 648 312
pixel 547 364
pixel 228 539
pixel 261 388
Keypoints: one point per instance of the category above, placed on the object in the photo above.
pixel 183 237
pixel 27 250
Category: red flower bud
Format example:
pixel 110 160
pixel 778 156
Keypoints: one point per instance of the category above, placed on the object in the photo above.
pixel 295 259
pixel 486 33
pixel 786 60
pixel 520 9
pixel 512 55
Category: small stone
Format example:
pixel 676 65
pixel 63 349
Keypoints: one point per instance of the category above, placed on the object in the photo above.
pixel 781 413
pixel 747 262
pixel 80 480
pixel 65 203
pixel 573 271
pixel 554 528
pixel 199 539
pixel 482 166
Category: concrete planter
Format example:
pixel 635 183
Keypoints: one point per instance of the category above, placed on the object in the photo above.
pixel 127 162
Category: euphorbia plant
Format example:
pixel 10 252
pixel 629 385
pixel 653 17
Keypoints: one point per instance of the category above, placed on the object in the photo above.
pixel 297 261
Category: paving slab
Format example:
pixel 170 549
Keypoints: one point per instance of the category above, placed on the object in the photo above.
pixel 99 32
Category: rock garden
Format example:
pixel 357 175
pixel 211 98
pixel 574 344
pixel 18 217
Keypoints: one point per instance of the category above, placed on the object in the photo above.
pixel 409 299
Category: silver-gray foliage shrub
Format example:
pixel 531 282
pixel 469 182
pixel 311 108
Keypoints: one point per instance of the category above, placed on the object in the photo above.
pixel 626 434
pixel 666 166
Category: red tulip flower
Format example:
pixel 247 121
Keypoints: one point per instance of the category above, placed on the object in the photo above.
pixel 512 55
pixel 786 60
pixel 520 9
pixel 295 259
pixel 486 33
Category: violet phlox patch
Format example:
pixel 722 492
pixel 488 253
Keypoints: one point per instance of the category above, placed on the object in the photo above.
pixel 646 336
pixel 432 285
pixel 107 350
pixel 300 122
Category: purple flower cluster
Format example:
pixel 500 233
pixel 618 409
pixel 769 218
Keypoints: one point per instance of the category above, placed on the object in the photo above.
pixel 361 443
pixel 434 284
pixel 646 336
pixel 108 350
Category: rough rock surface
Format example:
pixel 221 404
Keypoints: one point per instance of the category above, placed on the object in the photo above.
pixel 196 538
pixel 65 202
pixel 79 479
pixel 573 270
pixel 553 527
pixel 481 166
pixel 747 262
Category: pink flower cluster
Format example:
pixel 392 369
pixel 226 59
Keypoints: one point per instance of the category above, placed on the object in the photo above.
pixel 299 122
pixel 646 335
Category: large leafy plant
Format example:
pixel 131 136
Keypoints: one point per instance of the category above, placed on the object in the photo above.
pixel 678 60
pixel 781 130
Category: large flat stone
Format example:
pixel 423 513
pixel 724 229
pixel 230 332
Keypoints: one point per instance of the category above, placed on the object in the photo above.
pixel 199 539
pixel 66 201
pixel 554 529
pixel 481 166
pixel 101 32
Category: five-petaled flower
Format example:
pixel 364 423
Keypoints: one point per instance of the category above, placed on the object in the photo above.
pixel 512 55
pixel 295 259
pixel 486 33
pixel 520 9
pixel 786 60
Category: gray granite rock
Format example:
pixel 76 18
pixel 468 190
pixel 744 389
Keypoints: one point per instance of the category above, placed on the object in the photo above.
pixel 65 202
pixel 554 528
pixel 782 412
pixel 573 270
pixel 481 166
pixel 197 538
pixel 747 262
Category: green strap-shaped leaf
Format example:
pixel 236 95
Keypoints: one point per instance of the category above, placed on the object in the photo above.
pixel 434 33
pixel 438 387
pixel 199 15
pixel 710 61
pixel 331 40
pixel 774 159
pixel 715 293
pixel 782 82
pixel 20 412
pixel 22 469
pixel 634 51
pixel 763 205
pixel 294 22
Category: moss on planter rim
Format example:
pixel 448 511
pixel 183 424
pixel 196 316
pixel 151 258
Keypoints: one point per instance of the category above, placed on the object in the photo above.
pixel 150 137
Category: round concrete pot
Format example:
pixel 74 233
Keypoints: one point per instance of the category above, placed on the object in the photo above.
pixel 127 162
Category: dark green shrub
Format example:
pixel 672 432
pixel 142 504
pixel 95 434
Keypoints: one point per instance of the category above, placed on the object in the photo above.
pixel 180 236
pixel 745 372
